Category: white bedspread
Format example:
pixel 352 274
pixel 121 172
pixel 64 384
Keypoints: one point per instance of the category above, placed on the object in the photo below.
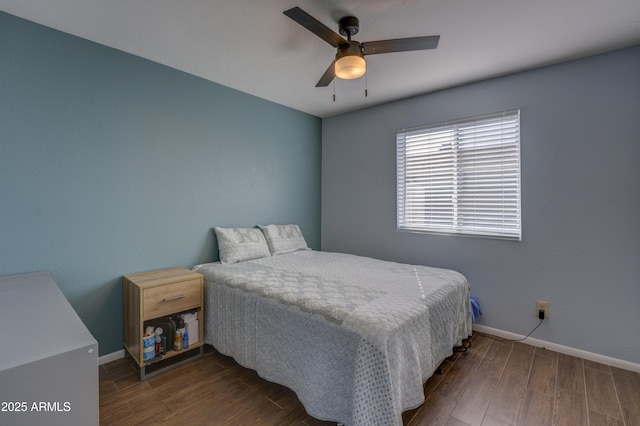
pixel 354 337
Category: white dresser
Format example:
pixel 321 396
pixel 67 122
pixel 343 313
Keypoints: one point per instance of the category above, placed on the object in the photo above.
pixel 48 358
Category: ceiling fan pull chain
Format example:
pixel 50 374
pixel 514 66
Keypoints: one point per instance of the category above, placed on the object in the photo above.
pixel 366 80
pixel 334 90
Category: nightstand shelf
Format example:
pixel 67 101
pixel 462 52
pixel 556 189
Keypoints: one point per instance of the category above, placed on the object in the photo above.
pixel 157 294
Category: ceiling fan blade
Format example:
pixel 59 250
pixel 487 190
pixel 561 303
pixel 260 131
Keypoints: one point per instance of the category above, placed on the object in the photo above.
pixel 400 45
pixel 315 26
pixel 328 75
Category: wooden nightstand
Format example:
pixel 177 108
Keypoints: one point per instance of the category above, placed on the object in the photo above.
pixel 157 294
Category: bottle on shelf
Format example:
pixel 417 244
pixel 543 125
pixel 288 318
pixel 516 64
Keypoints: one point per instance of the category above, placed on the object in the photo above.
pixel 177 341
pixel 185 339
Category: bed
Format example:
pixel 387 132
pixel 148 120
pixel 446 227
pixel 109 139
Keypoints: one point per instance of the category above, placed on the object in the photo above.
pixel 353 336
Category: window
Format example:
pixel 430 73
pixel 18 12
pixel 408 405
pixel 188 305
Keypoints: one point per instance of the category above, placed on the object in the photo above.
pixel 461 177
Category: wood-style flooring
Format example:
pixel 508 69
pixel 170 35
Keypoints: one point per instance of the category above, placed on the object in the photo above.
pixel 494 383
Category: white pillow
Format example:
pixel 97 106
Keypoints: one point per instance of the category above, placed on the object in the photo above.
pixel 284 238
pixel 239 244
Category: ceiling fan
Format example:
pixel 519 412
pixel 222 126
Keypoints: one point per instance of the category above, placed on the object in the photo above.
pixel 349 62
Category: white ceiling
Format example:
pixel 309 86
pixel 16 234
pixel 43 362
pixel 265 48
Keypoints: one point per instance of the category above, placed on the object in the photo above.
pixel 251 46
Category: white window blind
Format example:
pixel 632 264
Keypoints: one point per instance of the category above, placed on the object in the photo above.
pixel 461 177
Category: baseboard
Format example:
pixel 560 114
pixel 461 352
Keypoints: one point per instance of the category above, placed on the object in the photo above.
pixel 626 365
pixel 614 362
pixel 111 357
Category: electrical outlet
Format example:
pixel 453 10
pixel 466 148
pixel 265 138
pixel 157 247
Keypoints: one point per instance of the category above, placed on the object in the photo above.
pixel 541 305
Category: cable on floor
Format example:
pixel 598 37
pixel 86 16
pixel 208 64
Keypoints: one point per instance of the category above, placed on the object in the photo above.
pixel 500 339
pixel 466 344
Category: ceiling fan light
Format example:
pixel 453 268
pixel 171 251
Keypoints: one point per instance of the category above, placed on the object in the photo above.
pixel 350 61
pixel 350 67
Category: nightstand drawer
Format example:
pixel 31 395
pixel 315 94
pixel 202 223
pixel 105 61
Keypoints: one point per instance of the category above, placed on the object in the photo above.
pixel 172 298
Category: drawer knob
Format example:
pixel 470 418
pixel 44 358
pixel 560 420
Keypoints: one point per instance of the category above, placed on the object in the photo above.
pixel 169 299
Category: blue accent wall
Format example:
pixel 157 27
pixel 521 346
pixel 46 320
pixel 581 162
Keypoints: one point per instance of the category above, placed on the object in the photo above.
pixel 580 249
pixel 111 164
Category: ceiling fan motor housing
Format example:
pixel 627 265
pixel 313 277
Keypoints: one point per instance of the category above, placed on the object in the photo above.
pixel 351 49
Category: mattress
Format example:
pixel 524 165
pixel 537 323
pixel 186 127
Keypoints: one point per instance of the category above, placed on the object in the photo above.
pixel 354 337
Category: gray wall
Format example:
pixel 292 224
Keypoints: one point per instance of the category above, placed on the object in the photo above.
pixel 111 164
pixel 580 140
